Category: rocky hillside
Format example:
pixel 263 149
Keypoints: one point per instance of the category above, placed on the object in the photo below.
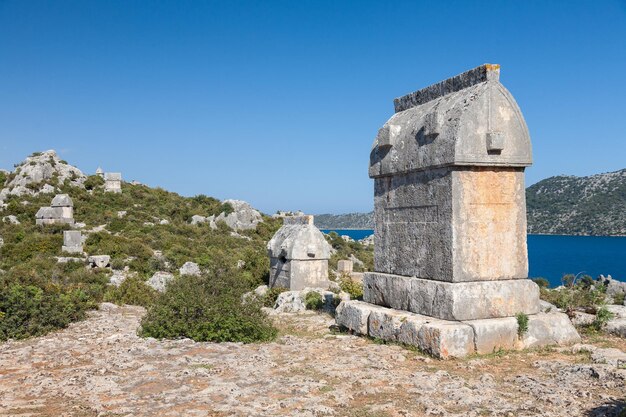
pixel 569 205
pixel 142 237
pixel 564 205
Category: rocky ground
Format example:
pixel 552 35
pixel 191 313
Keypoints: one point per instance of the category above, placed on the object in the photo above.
pixel 99 367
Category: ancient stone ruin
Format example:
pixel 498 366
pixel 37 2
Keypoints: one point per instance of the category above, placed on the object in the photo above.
pixel 298 255
pixel 72 241
pixel 61 211
pixel 450 254
pixel 113 182
pixel 345 266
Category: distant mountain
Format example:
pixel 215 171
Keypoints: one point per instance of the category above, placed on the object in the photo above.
pixel 345 221
pixel 568 205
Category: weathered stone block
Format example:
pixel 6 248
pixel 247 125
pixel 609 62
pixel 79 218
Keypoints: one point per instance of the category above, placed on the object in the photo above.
pixel 446 339
pixel 385 323
pixel 354 315
pixel 491 335
pixel 452 301
pixel 549 329
pixel 344 266
pixel 99 261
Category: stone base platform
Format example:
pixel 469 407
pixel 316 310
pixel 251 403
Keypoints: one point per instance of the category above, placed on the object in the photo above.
pixel 452 301
pixel 445 339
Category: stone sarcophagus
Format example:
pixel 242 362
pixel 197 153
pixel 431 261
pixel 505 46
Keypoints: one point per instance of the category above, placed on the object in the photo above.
pixel 298 255
pixel 450 210
pixel 61 211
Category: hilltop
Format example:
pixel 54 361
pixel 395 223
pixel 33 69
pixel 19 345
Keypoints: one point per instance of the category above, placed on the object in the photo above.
pixel 564 205
pixel 569 205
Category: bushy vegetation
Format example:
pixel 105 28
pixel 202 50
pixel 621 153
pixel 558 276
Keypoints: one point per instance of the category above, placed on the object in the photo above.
pixel 208 308
pixel 522 324
pixel 345 249
pixel 270 297
pixel 313 301
pixel 351 286
pixel 37 294
pixel 577 293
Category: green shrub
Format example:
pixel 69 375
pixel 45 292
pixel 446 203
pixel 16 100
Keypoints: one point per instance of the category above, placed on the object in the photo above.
pixel 270 297
pixel 603 315
pixel 522 324
pixel 351 286
pixel 133 291
pixel 28 310
pixel 93 181
pixel 541 282
pixel 619 298
pixel 313 301
pixel 207 308
pixel 573 298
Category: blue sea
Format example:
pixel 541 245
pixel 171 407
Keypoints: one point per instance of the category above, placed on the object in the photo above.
pixel 551 256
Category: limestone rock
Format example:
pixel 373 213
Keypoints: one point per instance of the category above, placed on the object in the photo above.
pixel 549 329
pixel 582 319
pixel 99 261
pixel 243 217
pixel 160 280
pixel 367 241
pixel 190 268
pixel 261 290
pixel 117 278
pixel 10 219
pixel 613 286
pixel 42 168
pixel 1 242
pixel 289 302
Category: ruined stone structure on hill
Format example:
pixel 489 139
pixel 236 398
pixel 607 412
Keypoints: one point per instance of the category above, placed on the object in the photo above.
pixel 299 255
pixel 72 241
pixel 113 182
pixel 450 255
pixel 61 211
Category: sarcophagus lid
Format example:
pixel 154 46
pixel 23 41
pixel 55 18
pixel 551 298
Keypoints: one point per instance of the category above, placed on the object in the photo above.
pixel 466 120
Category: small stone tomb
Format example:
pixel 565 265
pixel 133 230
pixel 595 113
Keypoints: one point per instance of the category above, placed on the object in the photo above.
pixel 450 255
pixel 345 266
pixel 72 241
pixel 61 211
pixel 298 255
pixel 113 182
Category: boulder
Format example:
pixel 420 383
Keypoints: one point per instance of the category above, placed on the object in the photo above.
pixel 117 278
pixel 160 280
pixel 243 217
pixel 10 219
pixel 582 319
pixel 99 261
pixel 190 268
pixel 613 286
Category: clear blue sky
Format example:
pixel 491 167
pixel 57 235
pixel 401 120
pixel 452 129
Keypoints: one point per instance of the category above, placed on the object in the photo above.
pixel 278 102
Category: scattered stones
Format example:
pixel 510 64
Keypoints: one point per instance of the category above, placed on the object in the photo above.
pixel 190 268
pixel 294 301
pixel 121 214
pixel 160 280
pixel 66 259
pixel 99 261
pixel 113 182
pixel 298 255
pixel 72 241
pixel 367 241
pixel 61 211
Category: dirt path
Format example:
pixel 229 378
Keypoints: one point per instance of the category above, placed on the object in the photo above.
pixel 99 367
